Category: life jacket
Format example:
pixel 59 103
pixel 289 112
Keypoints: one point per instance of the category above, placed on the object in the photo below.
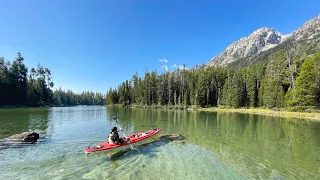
pixel 114 136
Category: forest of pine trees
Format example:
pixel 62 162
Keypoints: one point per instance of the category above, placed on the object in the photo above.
pixel 68 98
pixel 282 81
pixel 19 86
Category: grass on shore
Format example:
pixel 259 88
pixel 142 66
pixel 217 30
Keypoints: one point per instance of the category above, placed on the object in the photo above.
pixel 268 112
pixel 311 114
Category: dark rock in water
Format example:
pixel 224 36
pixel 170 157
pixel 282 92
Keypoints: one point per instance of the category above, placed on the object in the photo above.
pixel 24 137
pixel 172 137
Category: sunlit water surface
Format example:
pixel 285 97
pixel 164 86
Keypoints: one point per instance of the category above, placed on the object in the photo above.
pixel 217 145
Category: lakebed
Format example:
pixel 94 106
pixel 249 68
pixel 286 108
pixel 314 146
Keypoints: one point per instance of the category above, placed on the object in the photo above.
pixel 216 146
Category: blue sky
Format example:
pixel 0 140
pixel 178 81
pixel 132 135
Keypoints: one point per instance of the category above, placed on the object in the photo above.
pixel 94 45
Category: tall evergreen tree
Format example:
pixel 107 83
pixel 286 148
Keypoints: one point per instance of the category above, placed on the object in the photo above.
pixel 18 77
pixel 307 85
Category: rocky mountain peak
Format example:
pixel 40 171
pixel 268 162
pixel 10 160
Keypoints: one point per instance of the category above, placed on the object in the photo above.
pixel 260 40
pixel 309 30
pixel 308 36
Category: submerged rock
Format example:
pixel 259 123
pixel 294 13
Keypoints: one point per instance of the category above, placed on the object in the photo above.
pixel 24 137
pixel 172 137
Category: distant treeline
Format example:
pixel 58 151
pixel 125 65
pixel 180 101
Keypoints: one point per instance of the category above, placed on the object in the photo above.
pixel 69 98
pixel 281 81
pixel 18 86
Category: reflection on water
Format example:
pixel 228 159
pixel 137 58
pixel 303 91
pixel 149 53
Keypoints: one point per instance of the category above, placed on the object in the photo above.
pixel 217 145
pixel 15 121
pixel 256 146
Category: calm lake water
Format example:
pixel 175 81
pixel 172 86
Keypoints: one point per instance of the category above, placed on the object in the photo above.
pixel 217 145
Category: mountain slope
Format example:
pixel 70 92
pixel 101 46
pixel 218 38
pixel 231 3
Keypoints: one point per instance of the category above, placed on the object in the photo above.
pixel 264 42
pixel 259 41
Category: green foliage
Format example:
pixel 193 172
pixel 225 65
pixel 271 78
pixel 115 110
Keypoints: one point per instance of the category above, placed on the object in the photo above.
pixel 69 98
pixel 253 88
pixel 261 102
pixel 276 82
pixel 307 84
pixel 290 98
pixel 235 92
pixel 273 94
pixel 17 87
pixel 279 77
pixel 317 81
pixel 18 80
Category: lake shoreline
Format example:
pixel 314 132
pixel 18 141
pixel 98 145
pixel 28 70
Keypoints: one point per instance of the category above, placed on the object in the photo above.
pixel 268 112
pixel 22 106
pixel 258 111
pixel 45 106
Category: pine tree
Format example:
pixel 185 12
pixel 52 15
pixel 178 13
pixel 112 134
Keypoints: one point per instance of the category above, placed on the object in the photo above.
pixel 18 77
pixel 307 84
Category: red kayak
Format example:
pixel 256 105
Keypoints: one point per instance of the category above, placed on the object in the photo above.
pixel 133 138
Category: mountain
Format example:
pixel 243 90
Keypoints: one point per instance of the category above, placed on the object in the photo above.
pixel 264 41
pixel 260 40
pixel 308 31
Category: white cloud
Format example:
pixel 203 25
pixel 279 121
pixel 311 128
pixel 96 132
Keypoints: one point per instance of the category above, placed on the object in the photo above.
pixel 163 60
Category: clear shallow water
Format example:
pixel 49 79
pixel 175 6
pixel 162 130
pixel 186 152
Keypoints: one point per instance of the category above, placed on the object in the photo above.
pixel 217 145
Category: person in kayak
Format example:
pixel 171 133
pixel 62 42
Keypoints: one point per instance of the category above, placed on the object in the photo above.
pixel 114 137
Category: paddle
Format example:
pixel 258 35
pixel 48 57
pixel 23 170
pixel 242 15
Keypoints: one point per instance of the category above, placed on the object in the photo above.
pixel 116 120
